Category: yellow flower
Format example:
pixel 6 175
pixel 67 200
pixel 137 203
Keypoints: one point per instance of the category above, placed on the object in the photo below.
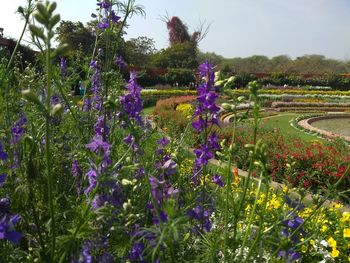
pixel 335 253
pixel 346 232
pixel 332 243
pixel 303 248
pixel 312 242
pixel 324 228
pixel 345 217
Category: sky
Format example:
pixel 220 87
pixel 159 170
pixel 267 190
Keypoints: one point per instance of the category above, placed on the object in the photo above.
pixel 238 28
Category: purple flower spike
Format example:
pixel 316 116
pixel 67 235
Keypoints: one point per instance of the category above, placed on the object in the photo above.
pixel 63 67
pixel 119 61
pixel 3 155
pixel 18 129
pixel 2 179
pixel 163 142
pixel 218 180
pixel 92 177
pixel 114 17
pixel 103 24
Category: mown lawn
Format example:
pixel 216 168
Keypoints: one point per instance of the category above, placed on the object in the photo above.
pixel 281 122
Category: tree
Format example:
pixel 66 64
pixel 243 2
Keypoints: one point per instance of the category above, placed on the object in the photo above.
pixel 76 35
pixel 180 55
pixel 138 51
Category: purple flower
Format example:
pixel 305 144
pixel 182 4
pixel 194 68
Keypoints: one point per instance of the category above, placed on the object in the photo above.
pixel 131 101
pixel 129 139
pixel 93 64
pixel 103 24
pixel 163 142
pixel 137 252
pixel 206 70
pixel 105 4
pixel 2 179
pixel 7 228
pixel 3 155
pixel 115 19
pixel 200 214
pixel 100 127
pixel 92 177
pixel 18 129
pixel 218 180
pixel 290 255
pixel 55 99
pixel 76 170
pixel 4 206
pixel 85 256
pixel 119 61
pixel 63 67
pixel 97 145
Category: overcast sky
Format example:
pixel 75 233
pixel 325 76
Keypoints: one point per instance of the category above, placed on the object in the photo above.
pixel 238 28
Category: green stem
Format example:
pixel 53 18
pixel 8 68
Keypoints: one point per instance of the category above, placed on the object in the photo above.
pixel 229 182
pixel 47 152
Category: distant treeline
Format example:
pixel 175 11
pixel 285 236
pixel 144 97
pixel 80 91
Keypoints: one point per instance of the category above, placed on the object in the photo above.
pixel 308 64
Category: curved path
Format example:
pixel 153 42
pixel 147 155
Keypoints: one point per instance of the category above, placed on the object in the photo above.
pixel 306 124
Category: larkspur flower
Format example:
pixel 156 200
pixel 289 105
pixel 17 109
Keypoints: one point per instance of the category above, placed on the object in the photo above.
pixel 92 177
pixel 63 67
pixel 290 255
pixel 119 61
pixel 4 206
pixel 76 170
pixel 200 214
pixel 103 24
pixel 115 19
pixel 96 85
pixel 7 228
pixel 18 129
pixel 137 253
pixel 131 101
pixel 218 180
pixel 3 154
pixel 2 179
pixel 163 142
pixel 105 4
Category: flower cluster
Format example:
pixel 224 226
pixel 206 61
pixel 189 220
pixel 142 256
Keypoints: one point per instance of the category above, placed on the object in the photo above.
pixel 96 88
pixel 131 101
pixel 206 113
pixel 108 15
pixel 7 221
pixel 19 129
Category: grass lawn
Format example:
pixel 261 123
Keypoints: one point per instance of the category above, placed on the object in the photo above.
pixel 281 122
pixel 148 110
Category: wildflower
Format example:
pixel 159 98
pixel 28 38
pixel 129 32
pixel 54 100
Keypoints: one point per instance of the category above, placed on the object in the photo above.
pixel 96 85
pixel 115 19
pixel 63 67
pixel 331 242
pixel 137 252
pixel 105 4
pixel 218 180
pixel 18 129
pixel 85 256
pixel 163 142
pixel 92 177
pixel 4 206
pixel 119 61
pixel 200 214
pixel 335 253
pixel 76 170
pixel 289 255
pixel 3 155
pixel 103 24
pixel 131 101
pixel 346 233
pixel 7 230
pixel 2 179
